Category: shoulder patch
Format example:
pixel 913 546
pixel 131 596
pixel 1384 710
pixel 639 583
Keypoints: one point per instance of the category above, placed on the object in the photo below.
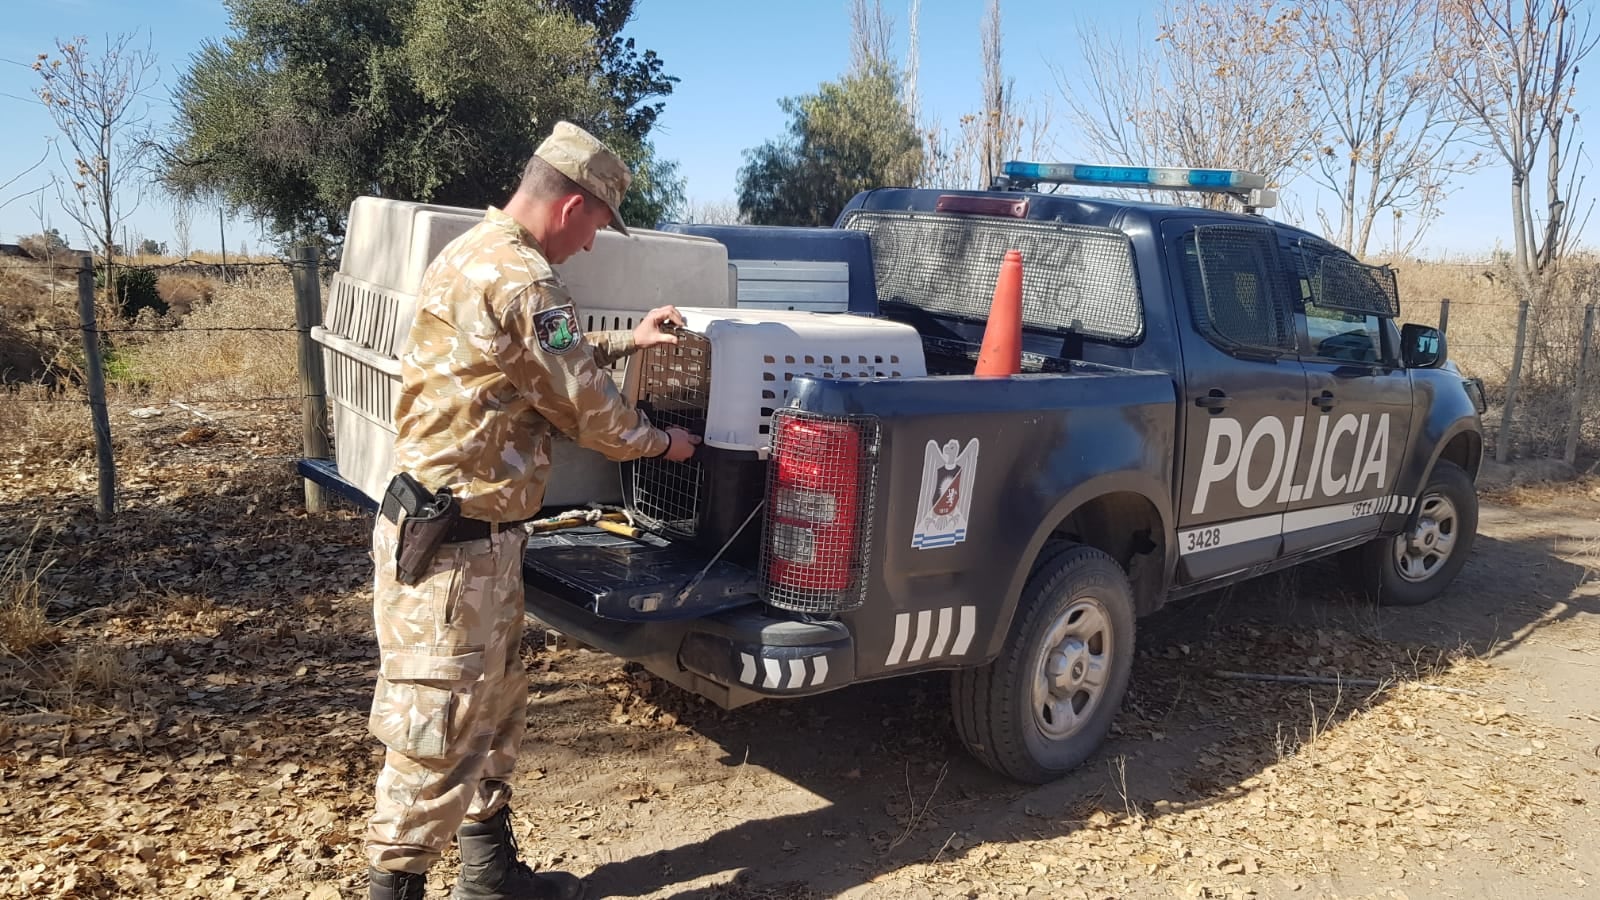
pixel 557 328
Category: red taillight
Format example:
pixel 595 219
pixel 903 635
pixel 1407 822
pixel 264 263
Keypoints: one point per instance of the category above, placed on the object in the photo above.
pixel 814 510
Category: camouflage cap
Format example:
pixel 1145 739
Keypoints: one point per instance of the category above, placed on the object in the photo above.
pixel 581 156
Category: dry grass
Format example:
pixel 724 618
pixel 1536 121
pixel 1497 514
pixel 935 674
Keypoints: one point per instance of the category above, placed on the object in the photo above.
pixel 184 294
pixel 37 662
pixel 24 629
pixel 190 362
pixel 1482 340
pixel 54 424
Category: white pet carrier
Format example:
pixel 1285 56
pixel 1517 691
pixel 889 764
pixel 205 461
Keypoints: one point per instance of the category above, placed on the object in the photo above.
pixel 373 300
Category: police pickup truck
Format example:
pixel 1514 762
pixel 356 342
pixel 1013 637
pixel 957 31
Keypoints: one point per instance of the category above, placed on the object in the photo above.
pixel 1206 396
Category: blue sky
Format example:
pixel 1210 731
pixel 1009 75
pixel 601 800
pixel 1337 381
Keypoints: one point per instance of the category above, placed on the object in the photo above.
pixel 735 59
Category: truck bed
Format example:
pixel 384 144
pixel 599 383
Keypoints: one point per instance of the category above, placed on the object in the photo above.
pixel 604 574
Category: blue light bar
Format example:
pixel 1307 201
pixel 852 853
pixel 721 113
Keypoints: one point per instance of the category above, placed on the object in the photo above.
pixel 1218 180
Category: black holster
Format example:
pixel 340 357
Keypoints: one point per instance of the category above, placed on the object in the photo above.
pixel 425 518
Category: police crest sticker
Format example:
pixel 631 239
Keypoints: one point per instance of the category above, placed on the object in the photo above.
pixel 557 329
pixel 946 499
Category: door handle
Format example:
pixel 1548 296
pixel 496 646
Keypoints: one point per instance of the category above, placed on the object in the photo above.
pixel 1215 401
pixel 1324 401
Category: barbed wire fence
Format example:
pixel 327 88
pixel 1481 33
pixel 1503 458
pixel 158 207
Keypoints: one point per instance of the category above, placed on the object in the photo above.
pixel 1546 416
pixel 305 268
pixel 1541 405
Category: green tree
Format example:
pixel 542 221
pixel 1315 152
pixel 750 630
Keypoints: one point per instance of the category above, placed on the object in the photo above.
pixel 306 106
pixel 633 78
pixel 850 136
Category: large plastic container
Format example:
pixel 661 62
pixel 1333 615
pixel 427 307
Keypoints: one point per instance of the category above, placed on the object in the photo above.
pixel 757 354
pixel 373 301
pixel 783 268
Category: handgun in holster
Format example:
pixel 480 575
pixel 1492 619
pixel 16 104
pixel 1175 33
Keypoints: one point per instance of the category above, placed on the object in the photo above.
pixel 425 518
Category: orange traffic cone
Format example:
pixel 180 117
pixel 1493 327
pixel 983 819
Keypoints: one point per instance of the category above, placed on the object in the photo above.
pixel 1001 353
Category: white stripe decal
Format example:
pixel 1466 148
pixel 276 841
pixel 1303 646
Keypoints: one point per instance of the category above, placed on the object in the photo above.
pixel 926 638
pixel 902 623
pixel 924 631
pixel 774 674
pixel 797 673
pixel 1318 516
pixel 943 637
pixel 822 671
pixel 747 672
pixel 969 627
pixel 1226 534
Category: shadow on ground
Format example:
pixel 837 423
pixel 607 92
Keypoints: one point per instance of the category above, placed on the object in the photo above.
pixel 885 780
pixel 896 787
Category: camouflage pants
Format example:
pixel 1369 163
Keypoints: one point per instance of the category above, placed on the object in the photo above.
pixel 452 692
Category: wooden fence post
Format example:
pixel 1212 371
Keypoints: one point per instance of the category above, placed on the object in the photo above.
pixel 1444 316
pixel 1502 444
pixel 106 502
pixel 313 386
pixel 1575 425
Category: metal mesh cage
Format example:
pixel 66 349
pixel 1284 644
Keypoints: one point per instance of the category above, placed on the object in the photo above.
pixel 674 390
pixel 821 490
pixel 1237 290
pixel 1075 277
pixel 1337 281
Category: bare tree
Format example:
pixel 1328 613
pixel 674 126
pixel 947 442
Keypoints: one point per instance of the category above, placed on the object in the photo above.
pixel 913 62
pixel 708 212
pixel 1514 74
pixel 870 32
pixel 971 154
pixel 1223 86
pixel 182 219
pixel 97 102
pixel 949 155
pixel 998 125
pixel 1390 123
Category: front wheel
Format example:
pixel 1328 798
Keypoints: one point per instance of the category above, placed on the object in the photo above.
pixel 1415 566
pixel 1038 710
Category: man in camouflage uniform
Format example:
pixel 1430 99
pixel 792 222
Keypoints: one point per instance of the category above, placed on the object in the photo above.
pixel 495 363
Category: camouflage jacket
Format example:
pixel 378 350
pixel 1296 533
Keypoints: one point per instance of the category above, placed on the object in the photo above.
pixel 494 362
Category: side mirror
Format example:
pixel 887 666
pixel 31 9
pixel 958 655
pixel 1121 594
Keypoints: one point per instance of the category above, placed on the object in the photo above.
pixel 1422 347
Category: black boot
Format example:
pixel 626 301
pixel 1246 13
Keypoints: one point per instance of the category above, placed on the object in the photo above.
pixel 395 885
pixel 490 869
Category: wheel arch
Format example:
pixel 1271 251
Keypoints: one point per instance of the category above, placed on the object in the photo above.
pixel 1126 515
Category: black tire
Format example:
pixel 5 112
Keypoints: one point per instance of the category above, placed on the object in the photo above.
pixel 1077 612
pixel 1408 569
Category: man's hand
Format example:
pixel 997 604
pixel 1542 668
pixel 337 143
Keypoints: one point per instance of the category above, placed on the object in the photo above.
pixel 653 328
pixel 683 444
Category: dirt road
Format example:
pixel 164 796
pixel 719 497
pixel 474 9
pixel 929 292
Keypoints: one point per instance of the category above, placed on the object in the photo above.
pixel 226 755
pixel 1213 788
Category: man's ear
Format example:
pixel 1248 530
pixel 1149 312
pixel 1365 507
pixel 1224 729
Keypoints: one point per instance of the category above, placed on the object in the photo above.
pixel 568 208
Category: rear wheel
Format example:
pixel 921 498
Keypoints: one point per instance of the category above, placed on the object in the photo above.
pixel 1047 702
pixel 1413 567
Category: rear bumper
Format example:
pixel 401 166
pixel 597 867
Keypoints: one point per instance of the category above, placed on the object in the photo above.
pixel 732 658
